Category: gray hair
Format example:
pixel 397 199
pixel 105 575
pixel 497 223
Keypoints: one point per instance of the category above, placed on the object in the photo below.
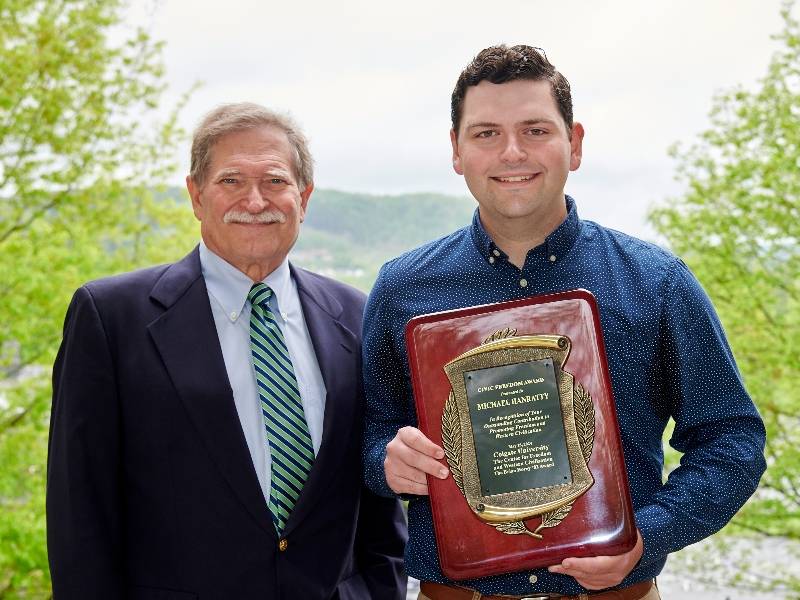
pixel 230 118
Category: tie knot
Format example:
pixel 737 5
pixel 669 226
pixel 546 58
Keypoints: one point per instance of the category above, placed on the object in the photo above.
pixel 259 295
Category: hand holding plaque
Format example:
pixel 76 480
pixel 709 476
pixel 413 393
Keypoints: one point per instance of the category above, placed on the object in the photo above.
pixel 409 457
pixel 513 409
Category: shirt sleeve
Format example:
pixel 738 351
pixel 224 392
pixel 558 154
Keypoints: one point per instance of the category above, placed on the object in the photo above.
pixel 388 402
pixel 717 427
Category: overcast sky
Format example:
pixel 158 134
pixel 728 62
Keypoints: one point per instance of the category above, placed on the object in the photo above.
pixel 370 81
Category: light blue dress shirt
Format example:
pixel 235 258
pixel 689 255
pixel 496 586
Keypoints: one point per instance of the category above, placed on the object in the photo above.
pixel 227 292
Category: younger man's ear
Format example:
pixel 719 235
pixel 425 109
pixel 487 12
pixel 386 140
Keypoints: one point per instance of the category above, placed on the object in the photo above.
pixel 456 158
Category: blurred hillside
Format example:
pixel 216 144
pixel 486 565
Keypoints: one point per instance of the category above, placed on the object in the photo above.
pixel 349 236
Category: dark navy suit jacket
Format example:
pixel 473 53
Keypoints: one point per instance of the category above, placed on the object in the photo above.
pixel 151 491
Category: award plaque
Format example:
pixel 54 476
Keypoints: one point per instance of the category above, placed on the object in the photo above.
pixel 518 395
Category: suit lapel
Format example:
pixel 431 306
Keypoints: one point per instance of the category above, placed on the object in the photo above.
pixel 336 348
pixel 187 340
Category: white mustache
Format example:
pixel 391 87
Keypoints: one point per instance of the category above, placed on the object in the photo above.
pixel 267 216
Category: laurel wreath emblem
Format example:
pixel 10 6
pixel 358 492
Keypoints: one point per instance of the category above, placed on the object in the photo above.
pixel 501 335
pixel 451 436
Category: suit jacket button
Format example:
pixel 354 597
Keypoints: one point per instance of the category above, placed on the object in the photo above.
pixel 283 544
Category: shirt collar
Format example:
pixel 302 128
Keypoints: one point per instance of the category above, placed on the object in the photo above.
pixel 556 245
pixel 229 286
pixel 282 289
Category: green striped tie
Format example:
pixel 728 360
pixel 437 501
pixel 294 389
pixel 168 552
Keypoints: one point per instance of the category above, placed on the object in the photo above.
pixel 287 432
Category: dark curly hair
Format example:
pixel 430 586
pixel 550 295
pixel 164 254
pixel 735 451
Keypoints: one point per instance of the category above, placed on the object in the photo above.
pixel 500 64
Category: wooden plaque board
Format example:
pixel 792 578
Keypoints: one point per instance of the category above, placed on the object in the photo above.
pixel 591 513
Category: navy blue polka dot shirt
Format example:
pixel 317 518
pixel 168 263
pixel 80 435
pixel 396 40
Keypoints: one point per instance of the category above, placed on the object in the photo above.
pixel 667 355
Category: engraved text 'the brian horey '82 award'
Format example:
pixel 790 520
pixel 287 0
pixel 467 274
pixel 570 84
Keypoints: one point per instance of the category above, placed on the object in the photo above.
pixel 518 395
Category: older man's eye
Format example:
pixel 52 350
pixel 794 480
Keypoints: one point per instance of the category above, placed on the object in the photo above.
pixel 229 180
pixel 276 180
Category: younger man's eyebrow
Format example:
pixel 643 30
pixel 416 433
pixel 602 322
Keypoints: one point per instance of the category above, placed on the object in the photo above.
pixel 535 121
pixel 482 124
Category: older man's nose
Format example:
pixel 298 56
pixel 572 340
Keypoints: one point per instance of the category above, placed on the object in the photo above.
pixel 255 201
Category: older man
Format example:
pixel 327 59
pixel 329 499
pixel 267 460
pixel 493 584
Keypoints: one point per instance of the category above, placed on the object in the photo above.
pixel 206 419
pixel 515 142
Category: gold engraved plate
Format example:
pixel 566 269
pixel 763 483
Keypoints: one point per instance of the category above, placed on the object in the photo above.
pixel 518 431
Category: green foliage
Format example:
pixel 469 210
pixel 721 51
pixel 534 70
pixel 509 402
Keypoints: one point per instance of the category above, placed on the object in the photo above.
pixel 81 156
pixel 738 227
